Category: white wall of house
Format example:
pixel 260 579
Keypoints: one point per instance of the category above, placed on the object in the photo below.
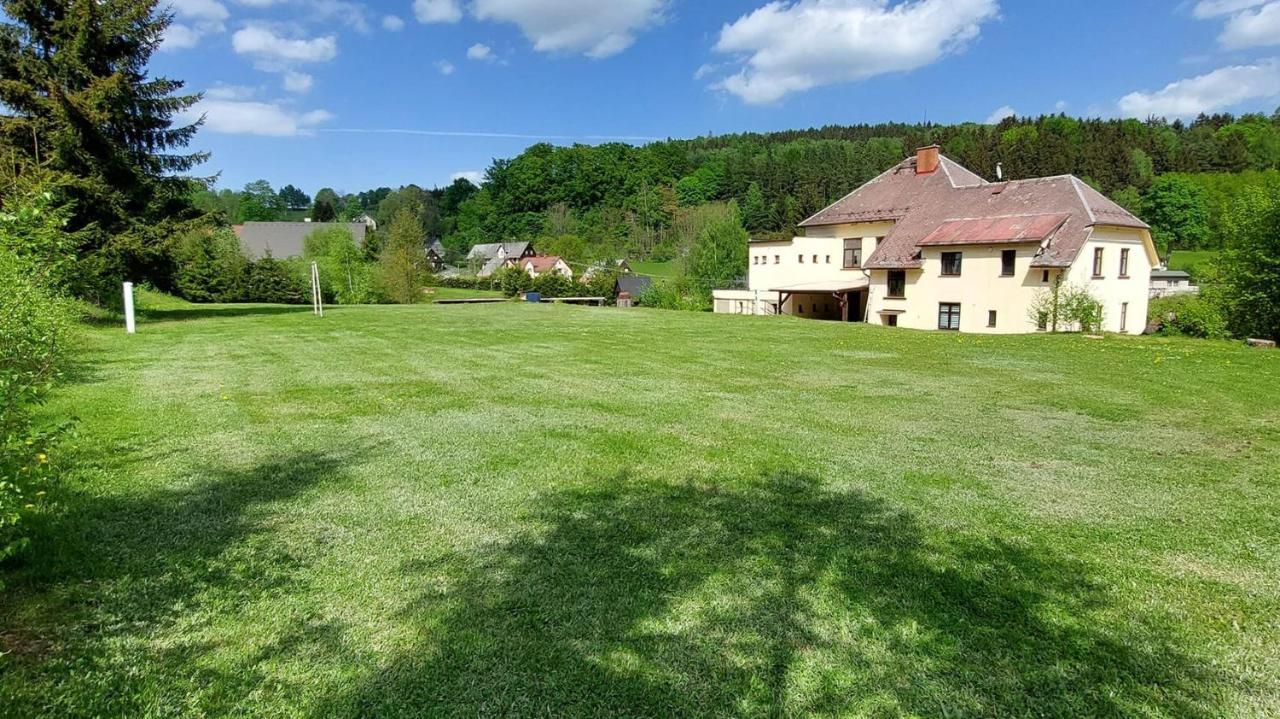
pixel 744 302
pixel 980 289
pixel 560 268
pixel 816 257
pixel 1124 299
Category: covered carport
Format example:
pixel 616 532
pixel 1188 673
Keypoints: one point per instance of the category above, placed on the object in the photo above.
pixel 844 299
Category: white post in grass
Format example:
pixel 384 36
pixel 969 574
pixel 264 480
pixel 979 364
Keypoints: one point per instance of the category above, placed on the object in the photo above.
pixel 317 299
pixel 128 308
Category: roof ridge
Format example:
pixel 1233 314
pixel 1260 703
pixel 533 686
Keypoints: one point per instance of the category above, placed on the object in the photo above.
pixel 855 190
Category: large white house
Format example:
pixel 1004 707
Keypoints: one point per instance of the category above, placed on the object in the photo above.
pixel 931 245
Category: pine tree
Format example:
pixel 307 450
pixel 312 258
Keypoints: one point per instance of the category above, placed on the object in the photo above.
pixel 756 216
pixel 80 102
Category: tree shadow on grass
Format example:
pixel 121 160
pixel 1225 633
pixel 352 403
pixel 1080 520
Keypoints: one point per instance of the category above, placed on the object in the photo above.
pixel 121 570
pixel 787 599
pixel 196 312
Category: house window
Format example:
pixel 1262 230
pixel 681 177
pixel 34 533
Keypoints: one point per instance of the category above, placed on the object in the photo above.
pixel 991 318
pixel 951 264
pixel 755 259
pixel 777 259
pixel 1124 314
pixel 852 254
pixel 828 259
pixel 1045 277
pixel 948 315
pixel 891 320
pixel 878 239
pixel 800 310
pixel 897 284
pixel 815 259
pixel 1097 262
pixel 1124 262
pixel 1008 259
pixel 801 258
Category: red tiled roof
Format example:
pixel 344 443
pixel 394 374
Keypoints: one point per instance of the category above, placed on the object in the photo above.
pixel 540 263
pixel 993 230
pixel 920 205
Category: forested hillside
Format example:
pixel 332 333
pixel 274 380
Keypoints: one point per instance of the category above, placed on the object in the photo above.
pixel 643 202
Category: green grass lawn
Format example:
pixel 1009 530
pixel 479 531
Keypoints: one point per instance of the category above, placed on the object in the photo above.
pixel 526 510
pixel 455 293
pixel 1194 261
pixel 657 270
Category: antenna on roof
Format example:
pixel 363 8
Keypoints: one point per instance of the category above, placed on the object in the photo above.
pixel 999 171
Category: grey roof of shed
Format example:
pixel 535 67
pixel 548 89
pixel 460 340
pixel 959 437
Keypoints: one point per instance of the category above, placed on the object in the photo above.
pixel 489 250
pixel 1170 275
pixel 285 239
pixel 919 204
pixel 634 285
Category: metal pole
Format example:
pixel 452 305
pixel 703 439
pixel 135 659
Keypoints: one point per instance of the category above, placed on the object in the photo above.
pixel 128 308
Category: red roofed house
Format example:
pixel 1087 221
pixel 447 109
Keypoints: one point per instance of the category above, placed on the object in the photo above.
pixel 542 264
pixel 930 245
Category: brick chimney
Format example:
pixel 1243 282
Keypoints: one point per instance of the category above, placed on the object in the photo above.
pixel 927 160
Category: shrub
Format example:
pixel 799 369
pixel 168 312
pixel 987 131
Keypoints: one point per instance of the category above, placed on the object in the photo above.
pixel 1066 308
pixel 551 284
pixel 1246 277
pixel 270 280
pixel 669 296
pixel 345 276
pixel 1189 315
pixel 35 322
pixel 210 266
pixel 511 280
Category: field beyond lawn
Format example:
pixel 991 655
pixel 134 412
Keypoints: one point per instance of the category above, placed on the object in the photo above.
pixel 519 510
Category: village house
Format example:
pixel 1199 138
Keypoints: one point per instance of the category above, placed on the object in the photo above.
pixel 487 258
pixel 544 264
pixel 285 239
pixel 1166 282
pixel 930 245
pixel 595 268
pixel 435 255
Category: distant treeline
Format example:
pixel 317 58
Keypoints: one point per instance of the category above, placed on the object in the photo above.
pixel 619 200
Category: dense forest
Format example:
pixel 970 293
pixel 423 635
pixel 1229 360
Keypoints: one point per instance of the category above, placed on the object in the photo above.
pixel 620 200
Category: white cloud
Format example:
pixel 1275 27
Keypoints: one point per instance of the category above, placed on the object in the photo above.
pixel 428 11
pixel 705 69
pixel 480 51
pixel 196 18
pixel 1218 90
pixel 999 114
pixel 249 117
pixel 256 3
pixel 445 67
pixel 298 82
pixel 179 37
pixel 474 176
pixel 263 43
pixel 208 11
pixel 1253 28
pixel 597 29
pixel 1060 105
pixel 859 39
pixel 1214 8
pixel 229 92
pixel 392 23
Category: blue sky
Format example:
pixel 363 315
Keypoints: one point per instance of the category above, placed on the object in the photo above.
pixel 356 95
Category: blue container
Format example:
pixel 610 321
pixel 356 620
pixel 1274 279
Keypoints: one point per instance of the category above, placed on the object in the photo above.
pixel 533 297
